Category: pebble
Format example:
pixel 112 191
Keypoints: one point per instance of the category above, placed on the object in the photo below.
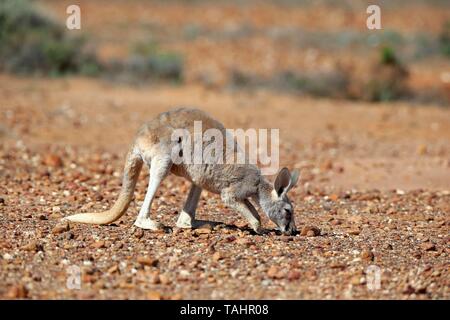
pixel 147 261
pixel 98 244
pixel 7 256
pixel 333 197
pixel 33 246
pixel 155 278
pixel 310 231
pixel 367 255
pixel 176 296
pixel 53 160
pixel 60 228
pixel 184 274
pixel 56 209
pixel 275 273
pixel 336 222
pixel 428 246
pixel 113 269
pixel 293 275
pixel 165 280
pixel 217 256
pixel 354 232
pixel 139 233
pixel 17 292
pixel 153 295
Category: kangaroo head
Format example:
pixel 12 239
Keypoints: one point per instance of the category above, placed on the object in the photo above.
pixel 279 209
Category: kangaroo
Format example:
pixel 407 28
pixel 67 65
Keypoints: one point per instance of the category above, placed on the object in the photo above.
pixel 236 183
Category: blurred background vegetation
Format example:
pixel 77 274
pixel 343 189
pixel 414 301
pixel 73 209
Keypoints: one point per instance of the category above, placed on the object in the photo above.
pixel 330 55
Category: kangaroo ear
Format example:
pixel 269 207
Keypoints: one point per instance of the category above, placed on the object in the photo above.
pixel 282 181
pixel 294 179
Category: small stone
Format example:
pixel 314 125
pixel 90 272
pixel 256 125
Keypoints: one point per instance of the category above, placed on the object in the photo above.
pixel 147 261
pixel 409 289
pixel 17 292
pixel 421 289
pixel 155 279
pixel 326 165
pixel 293 275
pixel 217 256
pixel 354 232
pixel 428 246
pixel 139 233
pixel 33 246
pixel 164 279
pixel 60 228
pixel 336 222
pixel 286 238
pixel 184 274
pixel 339 169
pixel 273 272
pixel 356 219
pixel 98 244
pixel 176 296
pixel 421 149
pixel 53 160
pixel 356 280
pixel 310 231
pixel 367 255
pixel 154 295
pixel 56 209
pixel 113 269
pixel 417 255
pixel 244 241
pixel 7 256
pixel 230 239
pixel 55 216
pixel 333 197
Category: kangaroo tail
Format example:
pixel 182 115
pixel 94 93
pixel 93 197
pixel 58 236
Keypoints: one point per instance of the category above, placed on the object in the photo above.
pixel 133 165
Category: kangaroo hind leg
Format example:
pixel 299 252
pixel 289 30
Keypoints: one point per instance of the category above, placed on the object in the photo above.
pixel 159 168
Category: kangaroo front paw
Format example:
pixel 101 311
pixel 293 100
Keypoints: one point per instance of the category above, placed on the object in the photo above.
pixel 257 228
pixel 148 224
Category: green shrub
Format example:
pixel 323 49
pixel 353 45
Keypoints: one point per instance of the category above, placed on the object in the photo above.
pixel 331 84
pixel 31 42
pixel 387 78
pixel 444 39
pixel 148 61
pixel 388 56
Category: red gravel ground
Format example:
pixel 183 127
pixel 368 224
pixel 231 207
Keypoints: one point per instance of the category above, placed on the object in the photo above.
pixel 373 191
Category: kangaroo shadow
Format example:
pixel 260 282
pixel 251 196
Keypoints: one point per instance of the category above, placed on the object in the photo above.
pixel 199 224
